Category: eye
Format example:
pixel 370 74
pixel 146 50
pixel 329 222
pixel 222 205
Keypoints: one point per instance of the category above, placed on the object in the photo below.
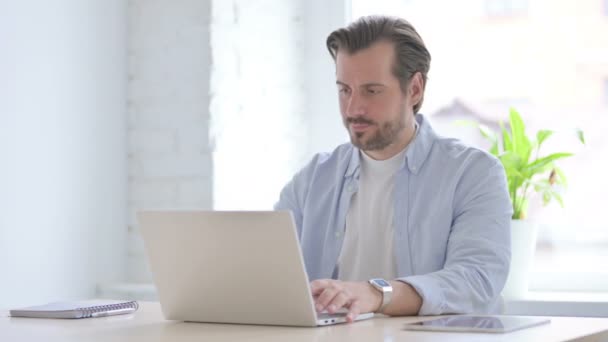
pixel 344 91
pixel 373 91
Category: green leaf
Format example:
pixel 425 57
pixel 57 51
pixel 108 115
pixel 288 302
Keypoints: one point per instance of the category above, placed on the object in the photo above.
pixel 494 149
pixel 524 175
pixel 465 123
pixel 581 135
pixel 546 197
pixel 487 133
pixel 521 143
pixel 540 164
pixel 507 145
pixel 519 213
pixel 559 198
pixel 552 193
pixel 541 185
pixel 512 163
pixel 541 136
pixel 518 129
pixel 561 177
pixel 491 137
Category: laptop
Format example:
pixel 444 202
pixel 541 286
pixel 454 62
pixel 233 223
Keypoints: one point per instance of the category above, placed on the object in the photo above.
pixel 230 267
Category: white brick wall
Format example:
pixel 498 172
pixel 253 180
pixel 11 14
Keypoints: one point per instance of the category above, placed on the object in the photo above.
pixel 258 103
pixel 274 100
pixel 226 97
pixel 170 164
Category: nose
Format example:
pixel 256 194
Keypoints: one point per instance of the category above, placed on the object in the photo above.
pixel 355 106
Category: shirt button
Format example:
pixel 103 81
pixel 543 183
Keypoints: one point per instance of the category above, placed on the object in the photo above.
pixel 338 234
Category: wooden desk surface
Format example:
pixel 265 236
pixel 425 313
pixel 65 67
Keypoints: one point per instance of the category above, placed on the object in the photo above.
pixel 147 324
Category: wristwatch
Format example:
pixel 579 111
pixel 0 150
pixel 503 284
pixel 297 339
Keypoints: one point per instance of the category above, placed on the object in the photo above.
pixel 386 289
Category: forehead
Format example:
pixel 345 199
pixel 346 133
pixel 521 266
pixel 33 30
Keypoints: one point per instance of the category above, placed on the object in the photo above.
pixel 372 63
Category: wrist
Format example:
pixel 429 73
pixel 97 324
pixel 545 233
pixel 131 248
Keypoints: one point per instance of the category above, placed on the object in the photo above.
pixel 384 293
pixel 376 298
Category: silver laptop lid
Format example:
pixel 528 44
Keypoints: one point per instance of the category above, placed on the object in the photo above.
pixel 228 267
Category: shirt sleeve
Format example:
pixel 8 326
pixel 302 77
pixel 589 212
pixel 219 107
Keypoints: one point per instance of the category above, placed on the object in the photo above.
pixel 478 250
pixel 289 200
pixel 294 193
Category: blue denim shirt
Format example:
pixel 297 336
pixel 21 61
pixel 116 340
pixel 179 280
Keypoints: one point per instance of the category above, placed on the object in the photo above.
pixel 451 220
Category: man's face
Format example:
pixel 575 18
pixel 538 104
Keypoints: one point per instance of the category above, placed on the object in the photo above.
pixel 374 109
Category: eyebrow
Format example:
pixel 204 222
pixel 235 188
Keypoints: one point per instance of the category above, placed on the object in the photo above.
pixel 371 84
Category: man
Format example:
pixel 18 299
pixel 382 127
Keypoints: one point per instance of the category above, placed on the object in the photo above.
pixel 427 214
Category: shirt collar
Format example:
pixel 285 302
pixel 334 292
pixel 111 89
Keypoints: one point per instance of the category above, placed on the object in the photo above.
pixel 417 151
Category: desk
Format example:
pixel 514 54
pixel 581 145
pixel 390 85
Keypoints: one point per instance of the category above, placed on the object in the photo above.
pixel 148 325
pixel 588 304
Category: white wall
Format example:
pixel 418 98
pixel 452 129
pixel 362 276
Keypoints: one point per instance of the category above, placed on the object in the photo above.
pixel 321 17
pixel 62 148
pixel 170 162
pixel 227 100
pixel 274 99
pixel 258 104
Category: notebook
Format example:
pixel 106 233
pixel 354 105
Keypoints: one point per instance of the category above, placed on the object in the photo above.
pixel 79 309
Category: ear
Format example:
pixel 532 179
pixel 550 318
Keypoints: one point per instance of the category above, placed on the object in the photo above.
pixel 416 88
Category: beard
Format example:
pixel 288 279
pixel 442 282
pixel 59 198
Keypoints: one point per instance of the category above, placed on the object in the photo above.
pixel 386 133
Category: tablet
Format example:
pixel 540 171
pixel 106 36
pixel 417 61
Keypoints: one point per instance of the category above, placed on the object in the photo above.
pixel 486 324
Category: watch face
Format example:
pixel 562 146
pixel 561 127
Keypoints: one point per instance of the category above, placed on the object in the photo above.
pixel 381 282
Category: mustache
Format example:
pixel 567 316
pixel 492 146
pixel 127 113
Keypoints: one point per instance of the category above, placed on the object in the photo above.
pixel 360 121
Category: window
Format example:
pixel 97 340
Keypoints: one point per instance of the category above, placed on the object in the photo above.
pixel 505 7
pixel 480 69
pixel 605 90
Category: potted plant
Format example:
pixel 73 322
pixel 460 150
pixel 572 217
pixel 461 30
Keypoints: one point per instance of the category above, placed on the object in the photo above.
pixel 528 172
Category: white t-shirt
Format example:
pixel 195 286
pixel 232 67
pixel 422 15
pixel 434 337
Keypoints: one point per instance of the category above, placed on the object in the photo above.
pixel 368 250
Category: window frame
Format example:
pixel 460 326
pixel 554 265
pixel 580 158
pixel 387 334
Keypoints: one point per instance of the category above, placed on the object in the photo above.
pixel 508 8
pixel 605 80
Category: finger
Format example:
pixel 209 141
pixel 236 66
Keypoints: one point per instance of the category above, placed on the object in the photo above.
pixel 326 297
pixel 353 311
pixel 339 301
pixel 317 286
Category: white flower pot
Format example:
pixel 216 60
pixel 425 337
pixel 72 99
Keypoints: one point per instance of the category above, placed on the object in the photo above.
pixel 523 246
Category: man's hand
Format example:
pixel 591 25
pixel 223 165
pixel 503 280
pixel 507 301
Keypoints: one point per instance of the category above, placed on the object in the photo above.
pixel 360 297
pixel 357 297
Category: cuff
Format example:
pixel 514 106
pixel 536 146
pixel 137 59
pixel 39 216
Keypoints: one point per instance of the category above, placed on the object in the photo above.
pixel 433 301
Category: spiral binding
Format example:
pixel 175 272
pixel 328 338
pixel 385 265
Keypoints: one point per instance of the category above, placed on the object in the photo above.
pixel 89 311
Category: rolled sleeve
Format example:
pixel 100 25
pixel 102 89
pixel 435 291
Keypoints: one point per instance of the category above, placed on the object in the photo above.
pixel 478 251
pixel 429 290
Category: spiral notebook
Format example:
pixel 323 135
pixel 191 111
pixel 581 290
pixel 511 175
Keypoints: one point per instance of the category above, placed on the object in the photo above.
pixel 79 309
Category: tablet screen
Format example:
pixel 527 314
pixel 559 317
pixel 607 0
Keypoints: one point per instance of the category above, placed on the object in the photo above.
pixel 478 323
